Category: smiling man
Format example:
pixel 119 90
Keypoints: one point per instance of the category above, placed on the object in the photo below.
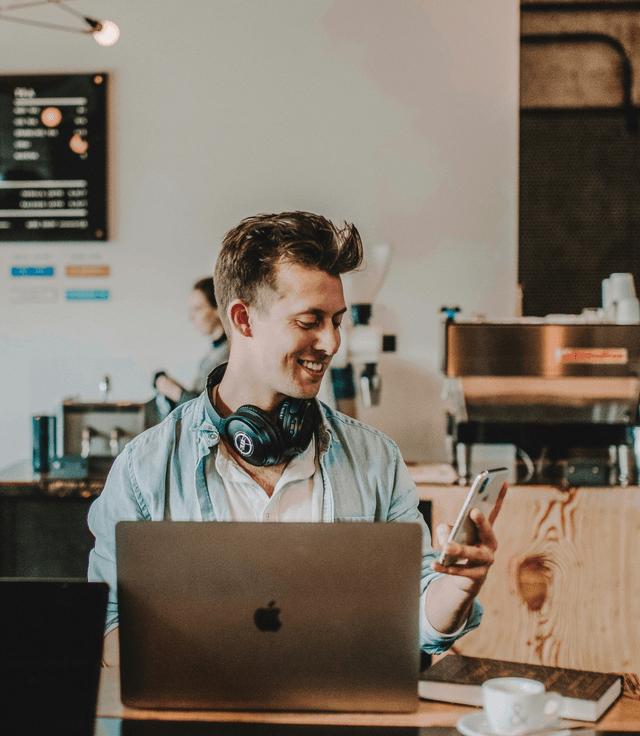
pixel 256 445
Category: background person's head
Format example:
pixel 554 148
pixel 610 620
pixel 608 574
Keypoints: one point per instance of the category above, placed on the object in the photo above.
pixel 203 307
pixel 251 252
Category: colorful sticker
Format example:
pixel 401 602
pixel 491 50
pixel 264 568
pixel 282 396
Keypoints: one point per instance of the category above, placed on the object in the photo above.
pixel 87 271
pixel 87 294
pixel 19 271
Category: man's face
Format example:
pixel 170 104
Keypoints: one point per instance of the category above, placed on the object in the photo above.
pixel 298 332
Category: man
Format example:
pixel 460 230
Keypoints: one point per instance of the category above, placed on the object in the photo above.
pixel 279 292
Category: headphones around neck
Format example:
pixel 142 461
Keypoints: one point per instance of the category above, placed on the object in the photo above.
pixel 256 437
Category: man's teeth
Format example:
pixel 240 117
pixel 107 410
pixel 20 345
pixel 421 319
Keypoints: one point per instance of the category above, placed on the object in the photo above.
pixel 312 366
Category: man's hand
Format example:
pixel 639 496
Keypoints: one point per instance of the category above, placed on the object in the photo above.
pixel 449 598
pixel 474 561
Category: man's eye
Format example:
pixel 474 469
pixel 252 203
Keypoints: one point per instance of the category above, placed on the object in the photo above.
pixel 308 325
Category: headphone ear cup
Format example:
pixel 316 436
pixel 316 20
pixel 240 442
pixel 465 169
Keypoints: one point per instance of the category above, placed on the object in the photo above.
pixel 298 419
pixel 255 436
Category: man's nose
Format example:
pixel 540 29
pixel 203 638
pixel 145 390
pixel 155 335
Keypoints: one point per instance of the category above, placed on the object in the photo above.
pixel 329 339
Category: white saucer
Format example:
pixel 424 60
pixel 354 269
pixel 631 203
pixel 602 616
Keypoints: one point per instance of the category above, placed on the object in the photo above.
pixel 476 724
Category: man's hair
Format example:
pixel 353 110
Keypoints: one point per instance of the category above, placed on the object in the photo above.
pixel 252 251
pixel 205 285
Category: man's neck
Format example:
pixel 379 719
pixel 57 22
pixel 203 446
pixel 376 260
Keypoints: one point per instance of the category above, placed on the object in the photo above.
pixel 234 392
pixel 218 403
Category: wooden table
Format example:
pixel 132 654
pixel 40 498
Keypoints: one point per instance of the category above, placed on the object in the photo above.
pixel 623 716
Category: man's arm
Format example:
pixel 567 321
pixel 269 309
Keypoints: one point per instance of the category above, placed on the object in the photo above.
pixel 450 597
pixel 111 649
pixel 117 501
pixel 449 607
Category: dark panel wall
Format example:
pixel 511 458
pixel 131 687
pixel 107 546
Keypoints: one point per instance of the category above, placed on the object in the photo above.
pixel 45 537
pixel 579 207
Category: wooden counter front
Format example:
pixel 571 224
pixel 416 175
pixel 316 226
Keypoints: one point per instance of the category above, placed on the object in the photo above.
pixel 565 586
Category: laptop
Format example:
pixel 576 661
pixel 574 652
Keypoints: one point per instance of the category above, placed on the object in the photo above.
pixel 51 634
pixel 269 616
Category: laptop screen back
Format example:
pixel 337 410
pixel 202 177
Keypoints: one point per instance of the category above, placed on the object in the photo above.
pixel 269 616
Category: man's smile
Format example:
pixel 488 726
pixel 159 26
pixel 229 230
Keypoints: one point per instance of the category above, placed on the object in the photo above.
pixel 313 366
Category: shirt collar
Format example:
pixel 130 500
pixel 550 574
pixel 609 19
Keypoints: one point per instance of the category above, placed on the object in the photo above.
pixel 209 410
pixel 325 435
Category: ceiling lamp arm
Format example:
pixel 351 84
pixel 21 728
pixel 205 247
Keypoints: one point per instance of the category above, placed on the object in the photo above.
pixel 35 4
pixel 27 22
pixel 95 25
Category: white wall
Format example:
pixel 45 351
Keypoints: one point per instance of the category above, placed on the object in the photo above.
pixel 398 115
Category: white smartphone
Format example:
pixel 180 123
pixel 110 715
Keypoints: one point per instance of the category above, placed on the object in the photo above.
pixel 486 494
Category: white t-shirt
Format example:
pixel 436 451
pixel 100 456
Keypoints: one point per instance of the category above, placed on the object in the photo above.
pixel 297 495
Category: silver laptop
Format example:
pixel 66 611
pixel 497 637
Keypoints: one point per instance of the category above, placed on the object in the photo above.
pixel 269 616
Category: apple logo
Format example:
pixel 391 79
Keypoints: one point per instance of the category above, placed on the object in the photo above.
pixel 266 619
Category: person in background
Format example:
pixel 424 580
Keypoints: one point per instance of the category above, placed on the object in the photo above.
pixel 203 313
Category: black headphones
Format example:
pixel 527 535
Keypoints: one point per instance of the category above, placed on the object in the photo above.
pixel 254 434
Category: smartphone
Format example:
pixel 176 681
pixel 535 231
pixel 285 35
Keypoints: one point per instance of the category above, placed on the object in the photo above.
pixel 486 494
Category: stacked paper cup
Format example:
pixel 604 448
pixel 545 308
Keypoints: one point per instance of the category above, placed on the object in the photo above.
pixel 619 300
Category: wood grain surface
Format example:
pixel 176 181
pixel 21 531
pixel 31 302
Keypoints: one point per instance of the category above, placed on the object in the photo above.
pixel 565 586
pixel 623 716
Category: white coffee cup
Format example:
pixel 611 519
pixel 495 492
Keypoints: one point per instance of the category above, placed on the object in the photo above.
pixel 514 705
pixel 608 302
pixel 628 311
pixel 621 286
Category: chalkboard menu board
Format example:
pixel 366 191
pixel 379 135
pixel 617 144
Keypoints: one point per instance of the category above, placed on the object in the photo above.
pixel 53 156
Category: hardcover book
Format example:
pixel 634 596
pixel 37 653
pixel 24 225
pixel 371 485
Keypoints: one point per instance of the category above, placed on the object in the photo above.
pixel 457 679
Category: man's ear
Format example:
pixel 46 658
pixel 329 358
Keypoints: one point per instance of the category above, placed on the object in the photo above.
pixel 239 317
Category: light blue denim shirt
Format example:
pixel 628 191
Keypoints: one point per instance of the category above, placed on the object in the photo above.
pixel 364 477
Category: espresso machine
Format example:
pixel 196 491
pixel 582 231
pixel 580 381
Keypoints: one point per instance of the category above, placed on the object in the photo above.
pixel 95 432
pixel 565 396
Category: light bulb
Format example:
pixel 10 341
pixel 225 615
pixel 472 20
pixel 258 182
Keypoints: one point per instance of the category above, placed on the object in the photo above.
pixel 108 33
